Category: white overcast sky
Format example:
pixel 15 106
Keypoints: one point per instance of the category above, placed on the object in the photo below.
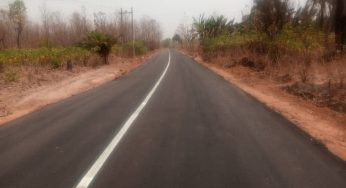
pixel 169 13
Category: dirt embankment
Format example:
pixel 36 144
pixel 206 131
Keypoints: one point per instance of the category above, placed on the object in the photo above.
pixel 322 123
pixel 49 86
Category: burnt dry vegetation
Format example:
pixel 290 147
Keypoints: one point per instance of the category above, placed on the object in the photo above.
pixel 300 48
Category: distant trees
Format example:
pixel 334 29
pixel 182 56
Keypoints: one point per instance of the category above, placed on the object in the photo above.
pixel 4 22
pixel 79 26
pixel 177 38
pixel 54 30
pixel 100 22
pixel 17 15
pixel 60 31
pixel 149 31
pixel 166 43
pixel 188 35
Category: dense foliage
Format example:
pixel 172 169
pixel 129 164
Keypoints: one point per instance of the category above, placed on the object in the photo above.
pixel 212 26
pixel 99 43
pixel 273 26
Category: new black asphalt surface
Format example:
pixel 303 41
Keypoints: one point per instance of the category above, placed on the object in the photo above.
pixel 197 130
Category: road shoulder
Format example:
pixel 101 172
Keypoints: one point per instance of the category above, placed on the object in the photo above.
pixel 19 101
pixel 324 125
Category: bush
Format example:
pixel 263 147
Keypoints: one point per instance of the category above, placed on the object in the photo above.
pixel 10 76
pixel 212 26
pixel 223 43
pixel 140 48
pixel 99 43
pixel 55 63
pixel 127 49
pixel 41 55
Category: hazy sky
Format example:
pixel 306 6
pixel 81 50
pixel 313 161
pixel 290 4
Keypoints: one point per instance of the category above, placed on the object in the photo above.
pixel 169 13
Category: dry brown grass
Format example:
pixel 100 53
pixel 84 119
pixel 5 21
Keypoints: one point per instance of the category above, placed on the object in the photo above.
pixel 299 73
pixel 37 86
pixel 325 125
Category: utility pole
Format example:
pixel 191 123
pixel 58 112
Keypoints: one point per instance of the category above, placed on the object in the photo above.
pixel 121 26
pixel 133 29
pixel 133 34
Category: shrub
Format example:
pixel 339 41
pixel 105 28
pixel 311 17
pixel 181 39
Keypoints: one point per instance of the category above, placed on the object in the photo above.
pixel 99 43
pixel 223 43
pixel 140 48
pixel 41 55
pixel 55 63
pixel 212 26
pixel 11 76
pixel 127 48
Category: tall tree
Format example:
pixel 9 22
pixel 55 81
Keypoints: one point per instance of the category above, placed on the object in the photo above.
pixel 79 26
pixel 177 38
pixel 17 14
pixel 187 34
pixel 3 28
pixel 149 32
pixel 46 26
pixel 100 43
pixel 271 16
pixel 340 24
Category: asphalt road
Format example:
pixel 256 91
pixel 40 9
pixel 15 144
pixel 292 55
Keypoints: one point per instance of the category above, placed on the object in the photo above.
pixel 193 129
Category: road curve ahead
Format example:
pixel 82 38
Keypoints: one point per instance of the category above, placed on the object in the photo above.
pixel 171 123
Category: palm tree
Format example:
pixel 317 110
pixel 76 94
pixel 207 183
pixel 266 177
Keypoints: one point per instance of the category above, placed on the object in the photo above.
pixel 99 43
pixel 212 27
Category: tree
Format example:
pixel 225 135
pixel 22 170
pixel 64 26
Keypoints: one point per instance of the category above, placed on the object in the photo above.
pixel 271 16
pixel 340 24
pixel 17 15
pixel 59 30
pixel 166 43
pixel 177 38
pixel 100 22
pixel 187 34
pixel 150 32
pixel 99 43
pixel 3 28
pixel 212 27
pixel 321 11
pixel 79 26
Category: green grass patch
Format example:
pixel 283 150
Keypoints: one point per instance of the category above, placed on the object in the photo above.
pixel 293 39
pixel 228 41
pixel 127 48
pixel 43 56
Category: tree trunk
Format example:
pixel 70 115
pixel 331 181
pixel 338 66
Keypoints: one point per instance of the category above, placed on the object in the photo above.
pixel 340 24
pixel 323 7
pixel 69 65
pixel 18 39
pixel 105 59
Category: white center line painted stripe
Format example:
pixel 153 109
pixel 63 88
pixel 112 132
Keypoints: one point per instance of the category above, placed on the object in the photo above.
pixel 90 175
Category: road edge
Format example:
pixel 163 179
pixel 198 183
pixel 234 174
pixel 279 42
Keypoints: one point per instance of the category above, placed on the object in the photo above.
pixel 252 92
pixel 92 85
